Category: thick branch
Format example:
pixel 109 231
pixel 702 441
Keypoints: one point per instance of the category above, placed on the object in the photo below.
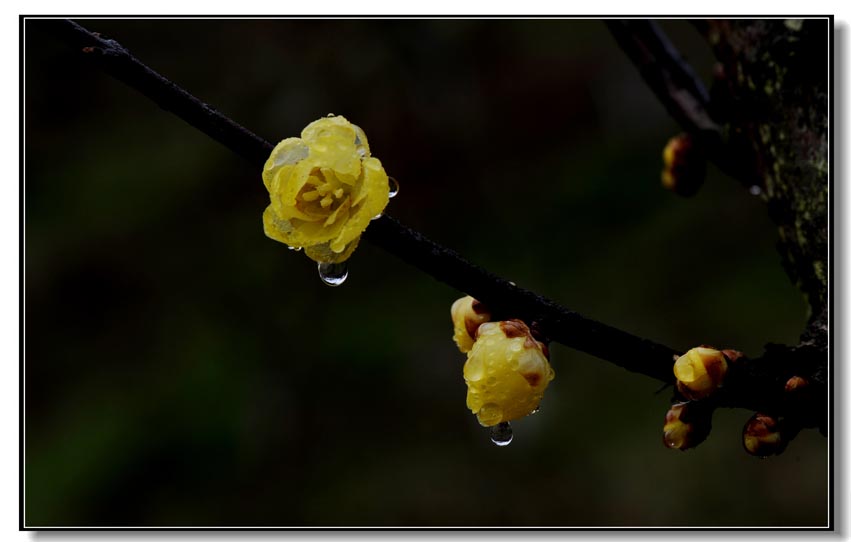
pixel 551 319
pixel 770 104
pixel 673 81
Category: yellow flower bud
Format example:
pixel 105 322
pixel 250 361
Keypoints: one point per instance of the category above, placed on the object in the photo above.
pixel 762 436
pixel 506 372
pixel 324 189
pixel 684 166
pixel 684 428
pixel 467 315
pixel 700 371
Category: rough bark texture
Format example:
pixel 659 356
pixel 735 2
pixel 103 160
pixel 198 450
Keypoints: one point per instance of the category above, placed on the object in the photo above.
pixel 770 99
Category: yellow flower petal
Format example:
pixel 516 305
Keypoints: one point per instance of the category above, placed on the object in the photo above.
pixel 288 152
pixel 322 253
pixel 372 199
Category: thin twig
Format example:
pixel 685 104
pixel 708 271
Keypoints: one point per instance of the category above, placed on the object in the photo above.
pixel 554 321
pixel 675 84
pixel 754 387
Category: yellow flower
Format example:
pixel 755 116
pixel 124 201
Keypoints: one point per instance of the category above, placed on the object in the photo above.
pixel 506 372
pixel 324 189
pixel 467 315
pixel 700 372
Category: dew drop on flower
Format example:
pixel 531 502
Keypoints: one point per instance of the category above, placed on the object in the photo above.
pixel 537 409
pixel 376 217
pixel 333 274
pixel 394 186
pixel 295 249
pixel 502 434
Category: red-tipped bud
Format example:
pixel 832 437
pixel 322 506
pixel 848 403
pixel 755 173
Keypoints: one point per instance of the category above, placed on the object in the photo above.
pixel 467 315
pixel 762 436
pixel 796 384
pixel 685 427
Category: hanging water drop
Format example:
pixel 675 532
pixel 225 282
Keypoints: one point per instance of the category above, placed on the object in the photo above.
pixel 502 434
pixel 376 217
pixel 295 249
pixel 394 186
pixel 755 190
pixel 537 409
pixel 333 274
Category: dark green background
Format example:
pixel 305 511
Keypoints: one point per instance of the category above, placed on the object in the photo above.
pixel 183 369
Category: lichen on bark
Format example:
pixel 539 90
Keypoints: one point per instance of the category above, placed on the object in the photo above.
pixel 770 96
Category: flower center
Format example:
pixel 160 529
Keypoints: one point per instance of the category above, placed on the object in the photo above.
pixel 322 195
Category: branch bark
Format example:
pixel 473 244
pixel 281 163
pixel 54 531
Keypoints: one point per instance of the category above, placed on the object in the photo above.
pixel 504 298
pixel 768 128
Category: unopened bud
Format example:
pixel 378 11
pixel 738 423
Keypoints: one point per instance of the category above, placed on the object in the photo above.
pixel 700 372
pixel 467 315
pixel 795 384
pixel 684 165
pixel 684 427
pixel 506 372
pixel 762 436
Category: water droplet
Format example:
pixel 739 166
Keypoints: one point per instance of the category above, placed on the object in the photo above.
pixel 755 190
pixel 502 434
pixel 333 274
pixel 394 186
pixel 295 249
pixel 330 115
pixel 376 217
pixel 537 409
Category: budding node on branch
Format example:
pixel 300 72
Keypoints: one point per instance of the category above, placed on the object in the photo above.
pixel 762 436
pixel 684 165
pixel 685 426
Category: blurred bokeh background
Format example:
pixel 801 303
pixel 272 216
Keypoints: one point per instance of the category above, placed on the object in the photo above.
pixel 182 369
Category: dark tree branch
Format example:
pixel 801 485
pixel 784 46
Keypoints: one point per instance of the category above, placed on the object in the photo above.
pixel 768 128
pixel 551 319
pixel 674 83
pixel 667 74
pixel 117 61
